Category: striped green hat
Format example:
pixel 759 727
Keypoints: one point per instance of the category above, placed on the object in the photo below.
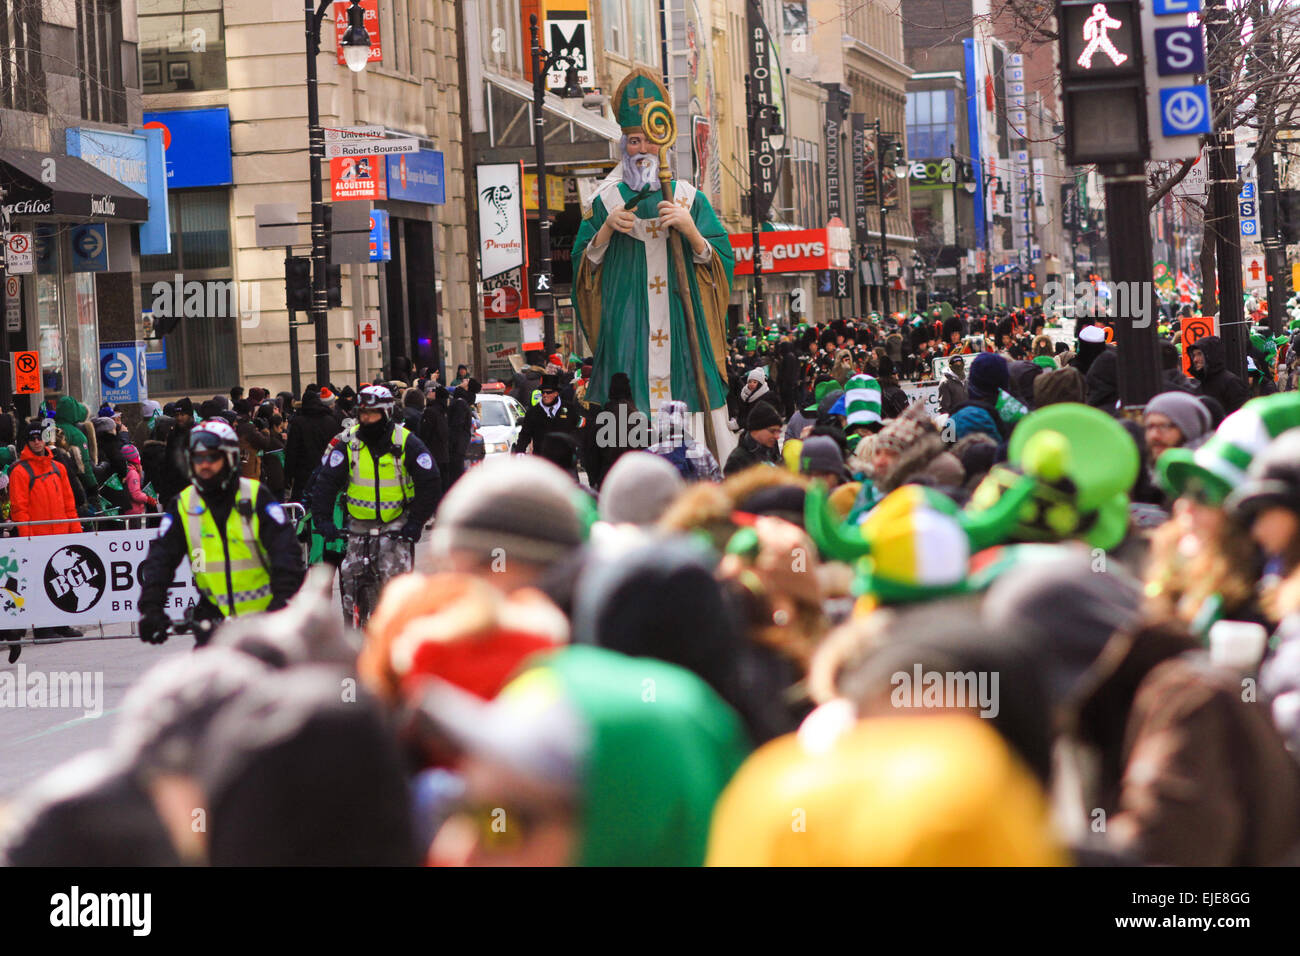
pixel 862 401
pixel 1220 464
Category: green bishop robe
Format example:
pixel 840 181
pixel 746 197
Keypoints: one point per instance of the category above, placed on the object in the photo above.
pixel 630 307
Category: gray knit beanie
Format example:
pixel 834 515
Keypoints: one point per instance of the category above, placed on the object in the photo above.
pixel 516 505
pixel 638 489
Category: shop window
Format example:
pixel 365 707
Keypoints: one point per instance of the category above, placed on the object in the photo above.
pixel 201 351
pixel 931 123
pixel 22 76
pixel 182 45
pixel 99 60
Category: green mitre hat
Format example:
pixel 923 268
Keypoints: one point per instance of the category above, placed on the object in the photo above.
pixel 638 88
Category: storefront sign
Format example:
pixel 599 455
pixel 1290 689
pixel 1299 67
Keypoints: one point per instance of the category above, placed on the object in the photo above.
pixel 357 177
pixel 196 146
pixel 371 22
pixel 500 218
pixel 795 250
pixel 90 247
pixel 417 177
pixel 82 579
pixel 381 248
pixel 121 372
pixel 135 161
pixel 554 192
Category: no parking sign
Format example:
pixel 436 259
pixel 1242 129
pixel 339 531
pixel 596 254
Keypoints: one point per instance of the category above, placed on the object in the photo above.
pixel 121 372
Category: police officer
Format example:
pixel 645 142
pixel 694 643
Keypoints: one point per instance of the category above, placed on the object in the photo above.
pixel 548 416
pixel 391 483
pixel 241 545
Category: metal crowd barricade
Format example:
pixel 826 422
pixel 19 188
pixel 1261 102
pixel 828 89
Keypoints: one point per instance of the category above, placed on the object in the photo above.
pixel 294 512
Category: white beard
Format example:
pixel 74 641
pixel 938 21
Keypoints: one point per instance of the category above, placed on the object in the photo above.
pixel 641 171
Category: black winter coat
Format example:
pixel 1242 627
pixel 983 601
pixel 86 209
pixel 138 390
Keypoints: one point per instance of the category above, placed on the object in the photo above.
pixel 309 432
pixel 1216 381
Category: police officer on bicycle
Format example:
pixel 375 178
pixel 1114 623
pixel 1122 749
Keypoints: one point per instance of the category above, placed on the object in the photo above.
pixel 242 548
pixel 391 485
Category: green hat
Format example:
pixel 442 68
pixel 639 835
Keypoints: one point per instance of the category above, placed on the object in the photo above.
pixel 823 389
pixel 1082 462
pixel 1219 466
pixel 750 343
pixel 639 88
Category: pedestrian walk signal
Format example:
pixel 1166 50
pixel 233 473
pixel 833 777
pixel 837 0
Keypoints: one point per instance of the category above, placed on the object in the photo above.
pixel 1102 83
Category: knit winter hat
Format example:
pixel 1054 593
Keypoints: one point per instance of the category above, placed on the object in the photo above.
pixel 761 416
pixel 517 505
pixel 639 488
pixel 862 401
pixel 1187 413
pixel 903 431
pixel 988 373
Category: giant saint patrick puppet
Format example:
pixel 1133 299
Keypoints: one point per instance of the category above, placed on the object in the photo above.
pixel 636 297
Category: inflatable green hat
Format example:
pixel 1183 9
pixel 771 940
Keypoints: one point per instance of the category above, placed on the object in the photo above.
pixel 945 310
pixel 821 391
pixel 915 545
pixel 1219 466
pixel 639 88
pixel 1083 464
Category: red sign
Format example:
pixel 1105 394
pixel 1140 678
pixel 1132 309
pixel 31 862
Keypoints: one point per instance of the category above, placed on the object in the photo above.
pixel 794 250
pixel 372 27
pixel 502 303
pixel 358 177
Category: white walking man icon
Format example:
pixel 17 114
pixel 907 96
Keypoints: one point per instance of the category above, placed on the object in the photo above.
pixel 1096 30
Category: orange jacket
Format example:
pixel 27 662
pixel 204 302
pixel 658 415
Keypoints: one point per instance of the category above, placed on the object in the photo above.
pixel 39 491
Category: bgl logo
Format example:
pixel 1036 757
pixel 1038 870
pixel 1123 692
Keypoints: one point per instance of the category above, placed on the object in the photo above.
pixel 74 579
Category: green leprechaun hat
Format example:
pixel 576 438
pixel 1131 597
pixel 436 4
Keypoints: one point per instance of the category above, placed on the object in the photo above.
pixel 638 88
pixel 1219 466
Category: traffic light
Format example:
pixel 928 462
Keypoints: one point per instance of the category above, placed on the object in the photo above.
pixel 334 286
pixel 1102 81
pixel 297 283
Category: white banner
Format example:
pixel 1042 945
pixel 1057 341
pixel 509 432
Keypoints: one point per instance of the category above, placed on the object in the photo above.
pixel 81 579
pixel 500 219
pixel 927 392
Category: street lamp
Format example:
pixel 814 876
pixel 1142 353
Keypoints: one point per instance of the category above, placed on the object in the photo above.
pixel 543 62
pixel 776 138
pixel 356 53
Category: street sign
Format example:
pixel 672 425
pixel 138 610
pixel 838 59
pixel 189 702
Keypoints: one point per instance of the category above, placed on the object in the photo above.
pixel 1195 182
pixel 368 333
pixel 334 134
pixel 27 372
pixel 13 304
pixel 1247 199
pixel 276 224
pixel 19 258
pixel 1253 274
pixel 1185 111
pixel 1177 111
pixel 1180 50
pixel 371 147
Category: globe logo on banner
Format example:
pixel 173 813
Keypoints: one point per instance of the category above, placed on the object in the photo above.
pixel 74 579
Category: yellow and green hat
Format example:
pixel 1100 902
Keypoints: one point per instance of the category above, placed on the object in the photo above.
pixel 638 88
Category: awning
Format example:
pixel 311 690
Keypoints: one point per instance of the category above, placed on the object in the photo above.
pixel 574 134
pixel 78 189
